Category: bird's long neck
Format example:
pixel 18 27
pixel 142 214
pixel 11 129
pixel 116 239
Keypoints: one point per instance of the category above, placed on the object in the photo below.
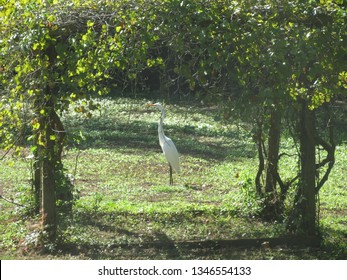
pixel 160 127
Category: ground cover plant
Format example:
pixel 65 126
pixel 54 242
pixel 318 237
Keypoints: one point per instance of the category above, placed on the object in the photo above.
pixel 124 207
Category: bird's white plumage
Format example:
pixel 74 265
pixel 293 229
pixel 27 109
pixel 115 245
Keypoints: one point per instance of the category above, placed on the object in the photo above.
pixel 167 145
pixel 170 152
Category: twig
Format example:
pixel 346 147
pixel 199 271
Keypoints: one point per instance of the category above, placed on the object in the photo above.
pixel 12 146
pixel 11 201
pixel 76 161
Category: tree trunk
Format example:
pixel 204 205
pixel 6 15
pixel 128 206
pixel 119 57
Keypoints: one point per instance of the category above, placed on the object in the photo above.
pixel 259 141
pixel 307 201
pixel 46 155
pixel 64 186
pixel 48 188
pixel 273 151
pixel 44 175
pixel 273 204
pixel 37 181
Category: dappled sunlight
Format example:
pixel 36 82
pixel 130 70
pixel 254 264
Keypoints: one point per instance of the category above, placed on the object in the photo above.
pixel 124 201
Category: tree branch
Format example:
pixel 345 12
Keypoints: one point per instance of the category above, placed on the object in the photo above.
pixel 330 158
pixel 11 201
pixel 261 166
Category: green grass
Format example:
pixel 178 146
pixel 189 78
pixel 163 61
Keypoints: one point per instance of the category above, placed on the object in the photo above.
pixel 125 208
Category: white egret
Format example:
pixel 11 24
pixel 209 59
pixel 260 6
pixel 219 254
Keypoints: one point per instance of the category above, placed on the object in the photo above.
pixel 167 145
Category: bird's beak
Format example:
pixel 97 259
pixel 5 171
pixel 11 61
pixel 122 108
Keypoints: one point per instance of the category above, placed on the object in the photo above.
pixel 150 105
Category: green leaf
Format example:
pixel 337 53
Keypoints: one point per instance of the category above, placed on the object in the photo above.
pixel 90 23
pixel 36 125
pixel 36 46
pixel 33 149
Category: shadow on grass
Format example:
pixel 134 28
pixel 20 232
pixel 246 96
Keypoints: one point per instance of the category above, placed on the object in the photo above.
pixel 156 244
pixel 141 135
pixel 166 248
pixel 334 243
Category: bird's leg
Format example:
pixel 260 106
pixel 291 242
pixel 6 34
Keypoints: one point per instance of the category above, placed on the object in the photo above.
pixel 171 180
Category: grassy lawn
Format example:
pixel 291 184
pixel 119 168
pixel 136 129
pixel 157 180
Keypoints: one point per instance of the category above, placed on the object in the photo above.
pixel 125 208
